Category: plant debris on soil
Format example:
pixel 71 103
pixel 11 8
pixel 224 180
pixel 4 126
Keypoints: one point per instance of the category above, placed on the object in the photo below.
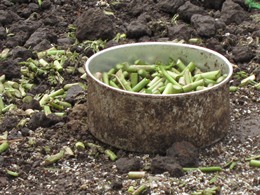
pixel 45 145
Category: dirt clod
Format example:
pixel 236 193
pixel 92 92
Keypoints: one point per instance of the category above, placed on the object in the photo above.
pixel 161 164
pixel 232 13
pixel 181 31
pixel 187 10
pixel 124 165
pixel 217 4
pixel 39 119
pixel 117 185
pixel 169 6
pixel 204 25
pixel 22 53
pixel 39 35
pixel 137 29
pixel 185 153
pixel 73 92
pixel 242 54
pixel 8 123
pixel 94 24
pixel 10 69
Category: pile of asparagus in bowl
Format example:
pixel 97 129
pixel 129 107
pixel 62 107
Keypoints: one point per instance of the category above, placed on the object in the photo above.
pixel 143 97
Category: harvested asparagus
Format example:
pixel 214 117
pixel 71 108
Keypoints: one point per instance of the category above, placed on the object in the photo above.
pixel 113 84
pixel 233 88
pixel 213 179
pixel 209 75
pixel 192 86
pixel 80 145
pixel 49 52
pixel 131 189
pixel 136 174
pixel 121 79
pixel 208 191
pixel 96 147
pixel 68 151
pixel 257 86
pixel 247 80
pixel 155 78
pixel 4 135
pixel 139 86
pixel 54 158
pixel 57 93
pixel 110 154
pixel 203 169
pixel 140 190
pixel 253 157
pixel 12 173
pixel 168 89
pixel 232 166
pixel 8 108
pixel 180 65
pixel 168 77
pixel 133 79
pixel 4 146
pixel 2 105
pixel 254 163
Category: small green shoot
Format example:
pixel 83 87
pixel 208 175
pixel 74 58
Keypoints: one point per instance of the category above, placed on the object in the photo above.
pixel 174 19
pixel 119 37
pixel 240 75
pixel 40 3
pixel 95 45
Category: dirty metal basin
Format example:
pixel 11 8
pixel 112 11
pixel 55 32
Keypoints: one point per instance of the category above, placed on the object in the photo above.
pixel 152 123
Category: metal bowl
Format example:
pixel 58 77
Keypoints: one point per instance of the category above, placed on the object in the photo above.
pixel 152 123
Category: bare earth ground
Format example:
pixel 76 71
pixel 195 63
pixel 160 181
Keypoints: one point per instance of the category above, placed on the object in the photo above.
pixel 84 27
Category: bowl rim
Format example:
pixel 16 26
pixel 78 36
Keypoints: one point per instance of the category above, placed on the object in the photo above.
pixel 229 65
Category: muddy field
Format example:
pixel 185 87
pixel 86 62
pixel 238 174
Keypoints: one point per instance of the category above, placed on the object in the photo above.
pixel 81 28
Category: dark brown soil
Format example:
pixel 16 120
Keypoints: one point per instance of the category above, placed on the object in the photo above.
pixel 226 26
